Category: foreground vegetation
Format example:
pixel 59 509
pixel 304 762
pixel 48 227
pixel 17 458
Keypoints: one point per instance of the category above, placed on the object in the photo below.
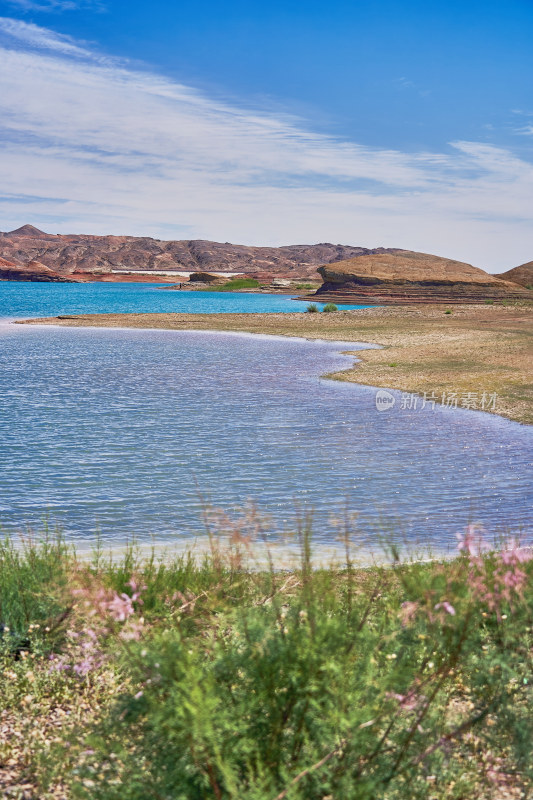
pixel 483 349
pixel 181 678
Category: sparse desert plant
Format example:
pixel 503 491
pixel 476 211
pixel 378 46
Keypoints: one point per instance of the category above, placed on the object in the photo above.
pixel 330 307
pixel 312 308
pixel 489 302
pixel 448 311
pixel 351 683
pixel 204 678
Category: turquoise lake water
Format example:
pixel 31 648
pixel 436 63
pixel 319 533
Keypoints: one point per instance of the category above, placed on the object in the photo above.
pixel 22 299
pixel 119 431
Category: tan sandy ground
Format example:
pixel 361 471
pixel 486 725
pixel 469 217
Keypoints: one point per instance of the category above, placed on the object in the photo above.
pixel 479 349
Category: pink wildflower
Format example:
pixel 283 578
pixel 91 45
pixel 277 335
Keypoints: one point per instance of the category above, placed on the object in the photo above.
pixel 133 630
pixel 514 554
pixel 84 666
pixel 136 588
pixel 408 612
pixel 104 603
pixel 515 579
pixel 506 581
pixel 471 541
pixel 446 606
pixel 59 664
pixel 120 607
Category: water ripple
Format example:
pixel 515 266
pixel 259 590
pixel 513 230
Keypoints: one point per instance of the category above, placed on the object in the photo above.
pixel 113 431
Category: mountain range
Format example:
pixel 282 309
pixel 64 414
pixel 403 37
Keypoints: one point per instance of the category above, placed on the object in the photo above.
pixel 377 275
pixel 75 254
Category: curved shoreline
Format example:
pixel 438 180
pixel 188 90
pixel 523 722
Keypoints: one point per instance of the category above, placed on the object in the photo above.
pixel 328 408
pixel 474 352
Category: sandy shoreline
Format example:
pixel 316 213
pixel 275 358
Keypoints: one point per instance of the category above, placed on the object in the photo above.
pixel 281 554
pixel 478 351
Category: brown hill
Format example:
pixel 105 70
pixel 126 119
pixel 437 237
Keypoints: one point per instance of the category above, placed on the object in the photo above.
pixel 31 232
pixel 83 253
pixel 34 271
pixel 406 276
pixel 522 275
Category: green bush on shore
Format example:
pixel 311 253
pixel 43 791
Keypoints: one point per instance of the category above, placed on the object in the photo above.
pixel 33 589
pixel 235 284
pixel 209 679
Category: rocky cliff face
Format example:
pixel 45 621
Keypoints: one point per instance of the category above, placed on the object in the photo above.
pixel 83 253
pixel 34 271
pixel 522 275
pixel 406 276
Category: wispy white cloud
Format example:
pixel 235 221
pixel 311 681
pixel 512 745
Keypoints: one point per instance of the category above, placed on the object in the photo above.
pixel 30 36
pixel 93 144
pixel 406 83
pixel 54 5
pixel 527 118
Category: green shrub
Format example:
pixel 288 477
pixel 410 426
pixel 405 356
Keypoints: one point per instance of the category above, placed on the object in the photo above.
pixel 489 302
pixel 348 683
pixel 235 284
pixel 312 308
pixel 33 582
pixel 449 311
pixel 330 307
pixel 191 679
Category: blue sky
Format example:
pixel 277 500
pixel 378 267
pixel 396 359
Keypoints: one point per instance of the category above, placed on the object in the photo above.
pixel 403 124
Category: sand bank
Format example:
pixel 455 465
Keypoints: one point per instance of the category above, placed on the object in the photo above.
pixel 474 350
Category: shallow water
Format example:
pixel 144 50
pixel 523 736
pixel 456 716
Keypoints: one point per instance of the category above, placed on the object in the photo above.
pixel 116 431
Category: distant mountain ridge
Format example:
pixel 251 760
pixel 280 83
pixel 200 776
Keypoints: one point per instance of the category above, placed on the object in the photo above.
pixel 349 272
pixel 78 253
